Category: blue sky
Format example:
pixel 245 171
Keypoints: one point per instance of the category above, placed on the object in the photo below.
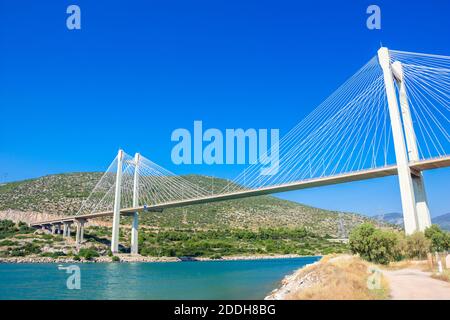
pixel 137 70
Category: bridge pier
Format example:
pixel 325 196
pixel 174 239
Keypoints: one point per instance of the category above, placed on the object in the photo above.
pixel 416 214
pixel 404 172
pixel 421 202
pixel 79 236
pixel 116 213
pixel 135 223
pixel 66 229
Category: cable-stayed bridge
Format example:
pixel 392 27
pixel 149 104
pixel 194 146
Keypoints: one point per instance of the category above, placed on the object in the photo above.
pixel 390 118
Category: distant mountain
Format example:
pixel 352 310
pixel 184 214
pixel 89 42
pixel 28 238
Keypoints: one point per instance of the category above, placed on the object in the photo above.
pixel 397 218
pixel 62 194
pixel 443 221
pixel 392 218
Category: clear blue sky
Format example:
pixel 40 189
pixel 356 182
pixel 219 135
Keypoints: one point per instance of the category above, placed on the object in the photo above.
pixel 149 67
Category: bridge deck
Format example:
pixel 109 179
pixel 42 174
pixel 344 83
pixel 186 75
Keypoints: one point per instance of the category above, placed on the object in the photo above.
pixel 304 184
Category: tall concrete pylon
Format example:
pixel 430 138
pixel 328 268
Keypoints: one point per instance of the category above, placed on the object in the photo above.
pixel 116 213
pixel 135 223
pixel 412 192
pixel 422 209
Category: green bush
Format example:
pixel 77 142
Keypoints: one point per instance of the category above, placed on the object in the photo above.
pixel 7 242
pixel 53 255
pixel 115 259
pixel 440 240
pixel 25 250
pixel 88 254
pixel 7 228
pixel 416 246
pixel 375 245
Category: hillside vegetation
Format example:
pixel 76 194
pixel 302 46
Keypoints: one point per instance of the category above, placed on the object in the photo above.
pixel 62 194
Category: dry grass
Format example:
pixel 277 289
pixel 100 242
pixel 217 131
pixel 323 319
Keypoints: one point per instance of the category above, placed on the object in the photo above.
pixel 410 264
pixel 444 276
pixel 339 278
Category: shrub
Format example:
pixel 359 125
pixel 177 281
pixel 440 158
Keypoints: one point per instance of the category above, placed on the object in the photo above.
pixel 53 255
pixel 115 259
pixel 375 245
pixel 26 249
pixel 416 246
pixel 88 254
pixel 440 240
pixel 7 242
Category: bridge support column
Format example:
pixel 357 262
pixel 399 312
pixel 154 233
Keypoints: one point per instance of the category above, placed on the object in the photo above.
pixel 135 223
pixel 80 232
pixel 422 209
pixel 404 172
pixel 116 216
pixel 66 229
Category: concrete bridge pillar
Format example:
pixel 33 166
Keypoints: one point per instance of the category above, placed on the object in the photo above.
pixel 116 215
pixel 422 208
pixel 135 223
pixel 404 172
pixel 66 230
pixel 79 237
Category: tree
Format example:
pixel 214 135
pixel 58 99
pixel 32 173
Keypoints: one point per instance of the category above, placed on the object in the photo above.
pixel 375 245
pixel 359 240
pixel 440 240
pixel 416 245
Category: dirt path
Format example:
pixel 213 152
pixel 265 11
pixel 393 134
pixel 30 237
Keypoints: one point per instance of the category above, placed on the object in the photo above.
pixel 413 284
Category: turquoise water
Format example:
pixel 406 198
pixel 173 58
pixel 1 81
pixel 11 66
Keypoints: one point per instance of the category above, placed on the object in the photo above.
pixel 251 279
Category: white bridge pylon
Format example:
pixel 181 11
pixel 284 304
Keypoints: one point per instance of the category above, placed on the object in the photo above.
pixel 390 118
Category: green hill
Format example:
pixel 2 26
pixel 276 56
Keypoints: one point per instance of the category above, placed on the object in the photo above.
pixel 62 194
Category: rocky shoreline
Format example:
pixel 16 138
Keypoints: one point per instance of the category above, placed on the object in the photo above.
pixel 138 258
pixel 296 281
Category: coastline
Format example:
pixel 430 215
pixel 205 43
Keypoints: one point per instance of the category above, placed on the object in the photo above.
pixel 126 258
pixel 333 277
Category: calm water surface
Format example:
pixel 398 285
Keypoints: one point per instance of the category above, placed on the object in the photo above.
pixel 251 279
